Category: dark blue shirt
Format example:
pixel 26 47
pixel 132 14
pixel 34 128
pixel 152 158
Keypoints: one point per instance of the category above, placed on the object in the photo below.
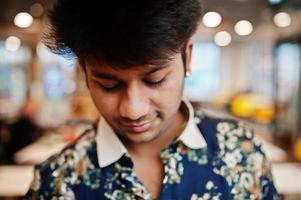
pixel 232 165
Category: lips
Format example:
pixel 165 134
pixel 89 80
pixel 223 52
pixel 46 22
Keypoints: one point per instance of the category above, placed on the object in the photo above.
pixel 138 128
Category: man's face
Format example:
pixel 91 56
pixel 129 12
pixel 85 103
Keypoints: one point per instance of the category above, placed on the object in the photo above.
pixel 140 103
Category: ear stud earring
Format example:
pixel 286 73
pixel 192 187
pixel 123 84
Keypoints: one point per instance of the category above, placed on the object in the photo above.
pixel 187 73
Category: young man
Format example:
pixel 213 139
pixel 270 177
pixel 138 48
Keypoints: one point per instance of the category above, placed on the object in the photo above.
pixel 148 143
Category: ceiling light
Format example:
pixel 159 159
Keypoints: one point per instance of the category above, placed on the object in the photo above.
pixel 243 28
pixel 212 19
pixel 222 38
pixel 23 20
pixel 12 43
pixel 282 19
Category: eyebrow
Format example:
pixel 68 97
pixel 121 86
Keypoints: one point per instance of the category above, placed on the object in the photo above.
pixel 104 75
pixel 153 69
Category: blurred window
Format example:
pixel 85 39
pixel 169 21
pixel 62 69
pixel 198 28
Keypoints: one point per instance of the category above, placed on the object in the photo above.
pixel 13 78
pixel 288 67
pixel 203 83
pixel 58 73
pixel 288 88
pixel 58 84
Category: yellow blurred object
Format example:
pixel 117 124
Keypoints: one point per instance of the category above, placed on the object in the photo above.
pixel 243 105
pixel 264 115
pixel 297 149
pixel 253 106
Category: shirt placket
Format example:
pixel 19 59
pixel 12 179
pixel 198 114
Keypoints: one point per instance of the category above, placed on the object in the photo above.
pixel 128 180
pixel 173 170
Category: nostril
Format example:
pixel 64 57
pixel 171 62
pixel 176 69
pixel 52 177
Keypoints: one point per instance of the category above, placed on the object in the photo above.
pixel 133 110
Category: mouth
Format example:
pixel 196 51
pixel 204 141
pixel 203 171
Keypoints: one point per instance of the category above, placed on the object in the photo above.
pixel 138 128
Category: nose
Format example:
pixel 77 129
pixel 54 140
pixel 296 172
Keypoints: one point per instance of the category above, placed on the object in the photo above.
pixel 134 103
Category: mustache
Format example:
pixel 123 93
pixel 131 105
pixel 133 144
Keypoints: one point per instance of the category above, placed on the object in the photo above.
pixel 142 120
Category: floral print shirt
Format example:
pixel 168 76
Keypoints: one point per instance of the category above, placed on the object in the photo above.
pixel 229 164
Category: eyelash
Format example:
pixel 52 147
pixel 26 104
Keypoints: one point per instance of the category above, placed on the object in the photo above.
pixel 155 84
pixel 117 86
pixel 111 89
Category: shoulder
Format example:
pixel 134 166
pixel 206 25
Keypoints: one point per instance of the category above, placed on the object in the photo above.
pixel 234 137
pixel 72 154
pixel 228 135
pixel 59 174
pixel 240 159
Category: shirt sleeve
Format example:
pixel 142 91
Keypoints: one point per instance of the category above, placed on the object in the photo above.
pixel 61 175
pixel 40 187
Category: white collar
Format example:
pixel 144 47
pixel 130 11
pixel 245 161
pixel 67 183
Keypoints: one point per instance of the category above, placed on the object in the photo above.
pixel 110 148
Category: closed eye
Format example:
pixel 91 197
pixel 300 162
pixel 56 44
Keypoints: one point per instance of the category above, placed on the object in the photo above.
pixel 155 82
pixel 108 85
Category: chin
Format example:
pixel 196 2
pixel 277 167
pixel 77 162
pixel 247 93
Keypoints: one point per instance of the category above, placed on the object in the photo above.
pixel 142 138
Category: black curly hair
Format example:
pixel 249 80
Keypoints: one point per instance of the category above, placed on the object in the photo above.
pixel 122 32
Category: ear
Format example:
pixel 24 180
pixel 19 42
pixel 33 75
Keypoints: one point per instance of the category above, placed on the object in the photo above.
pixel 188 52
pixel 83 68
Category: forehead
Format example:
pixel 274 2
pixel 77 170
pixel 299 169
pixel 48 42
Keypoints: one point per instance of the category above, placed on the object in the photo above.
pixel 95 66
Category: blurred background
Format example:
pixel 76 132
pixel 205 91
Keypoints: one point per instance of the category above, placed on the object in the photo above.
pixel 245 65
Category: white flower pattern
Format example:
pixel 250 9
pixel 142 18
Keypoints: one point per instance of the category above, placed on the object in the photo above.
pixel 245 163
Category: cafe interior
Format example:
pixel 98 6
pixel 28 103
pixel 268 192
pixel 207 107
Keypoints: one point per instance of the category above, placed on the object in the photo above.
pixel 246 65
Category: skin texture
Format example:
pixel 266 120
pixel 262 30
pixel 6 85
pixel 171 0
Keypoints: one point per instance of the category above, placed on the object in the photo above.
pixel 142 105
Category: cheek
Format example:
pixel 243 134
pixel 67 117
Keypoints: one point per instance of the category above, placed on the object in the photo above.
pixel 170 96
pixel 104 103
